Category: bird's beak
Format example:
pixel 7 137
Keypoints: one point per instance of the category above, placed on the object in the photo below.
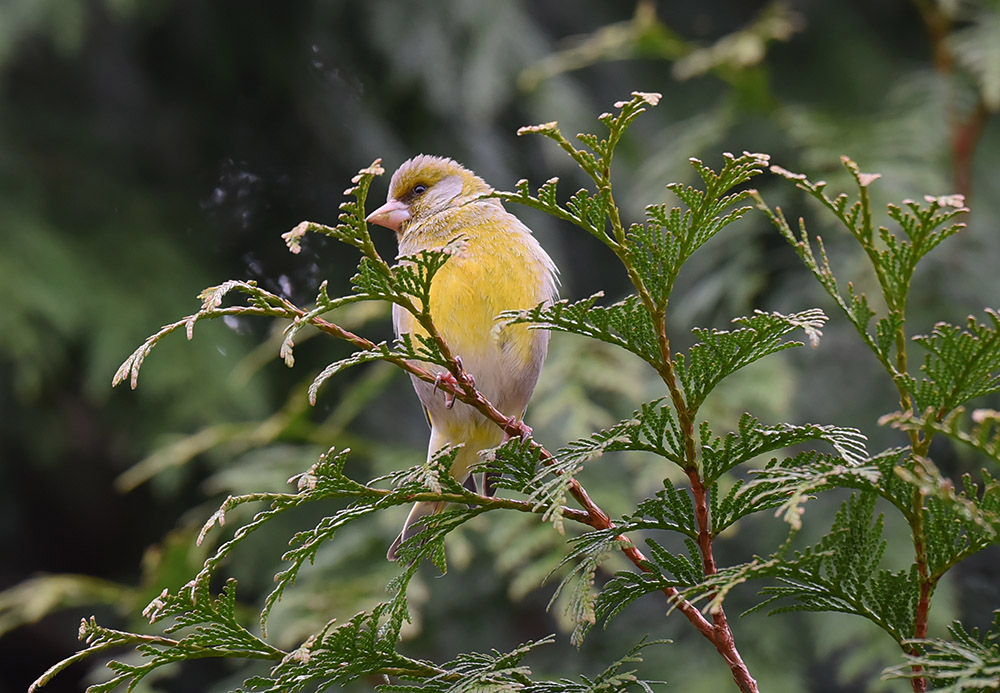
pixel 391 215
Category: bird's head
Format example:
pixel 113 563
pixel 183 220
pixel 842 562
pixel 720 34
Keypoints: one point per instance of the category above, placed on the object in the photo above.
pixel 423 186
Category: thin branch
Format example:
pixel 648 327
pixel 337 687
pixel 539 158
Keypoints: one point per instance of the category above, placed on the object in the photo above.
pixel 466 391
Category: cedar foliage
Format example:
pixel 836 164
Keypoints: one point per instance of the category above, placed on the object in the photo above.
pixel 843 572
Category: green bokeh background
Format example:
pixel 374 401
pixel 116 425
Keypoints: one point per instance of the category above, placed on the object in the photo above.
pixel 151 149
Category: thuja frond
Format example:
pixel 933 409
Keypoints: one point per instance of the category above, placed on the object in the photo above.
pixel 855 306
pixel 499 672
pixel 968 663
pixel 924 227
pixel 375 281
pixel 368 641
pixel 597 162
pixel 983 436
pixel 841 574
pixel 796 480
pixel 611 680
pixel 259 303
pixel 651 428
pixel 408 282
pixel 363 646
pixel 625 324
pixel 893 256
pixel 591 211
pixel 657 248
pixel 720 353
pixel 515 464
pixel 209 626
pixel 326 480
pixel 664 571
pixel 961 522
pixel 669 509
pixel 753 438
pixel 809 473
pixel 431 480
pixel 588 552
pixel 352 228
pixel 961 364
pixel 584 209
pixel 407 347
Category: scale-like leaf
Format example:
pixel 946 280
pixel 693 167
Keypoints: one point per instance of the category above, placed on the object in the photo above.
pixel 210 630
pixel 983 436
pixel 582 209
pixel 352 228
pixel 720 353
pixel 665 570
pixel 407 348
pixel 961 364
pixel 798 479
pixel 659 247
pixel 589 210
pixel 670 509
pixel 626 324
pixel 753 438
pixel 588 552
pixel 652 428
pixel 968 663
pixel 841 573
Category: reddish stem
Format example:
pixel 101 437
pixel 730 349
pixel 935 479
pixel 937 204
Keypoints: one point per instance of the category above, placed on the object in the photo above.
pixel 594 517
pixel 718 632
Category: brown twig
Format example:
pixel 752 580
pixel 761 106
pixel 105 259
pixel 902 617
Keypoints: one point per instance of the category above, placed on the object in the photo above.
pixel 593 516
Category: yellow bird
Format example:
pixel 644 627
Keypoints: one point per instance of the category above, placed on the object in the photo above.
pixel 497 266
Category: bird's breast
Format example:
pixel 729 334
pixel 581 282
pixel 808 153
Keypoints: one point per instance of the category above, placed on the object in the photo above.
pixel 500 267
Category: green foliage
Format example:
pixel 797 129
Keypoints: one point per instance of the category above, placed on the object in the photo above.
pixel 211 630
pixel 721 353
pixel 658 248
pixel 625 324
pixel 969 662
pixel 496 671
pixel 842 572
pixel 961 365
pixel 983 436
pixel 894 261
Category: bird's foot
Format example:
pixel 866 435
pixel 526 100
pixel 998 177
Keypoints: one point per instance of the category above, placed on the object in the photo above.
pixel 466 376
pixel 525 430
pixel 449 397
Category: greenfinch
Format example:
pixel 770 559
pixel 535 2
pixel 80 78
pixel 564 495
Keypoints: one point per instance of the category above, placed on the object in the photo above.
pixel 496 265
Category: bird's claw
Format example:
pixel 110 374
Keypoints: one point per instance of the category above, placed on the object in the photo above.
pixel 524 429
pixel 449 397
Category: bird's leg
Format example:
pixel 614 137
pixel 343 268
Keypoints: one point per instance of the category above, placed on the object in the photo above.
pixel 449 397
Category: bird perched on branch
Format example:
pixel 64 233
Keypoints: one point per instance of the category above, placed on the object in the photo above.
pixel 498 265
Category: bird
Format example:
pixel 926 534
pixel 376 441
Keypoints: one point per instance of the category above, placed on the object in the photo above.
pixel 495 264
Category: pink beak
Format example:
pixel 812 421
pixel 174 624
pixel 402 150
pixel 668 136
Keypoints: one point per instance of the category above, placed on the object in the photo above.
pixel 391 215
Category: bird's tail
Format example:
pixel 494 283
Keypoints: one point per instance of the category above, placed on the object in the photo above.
pixel 413 524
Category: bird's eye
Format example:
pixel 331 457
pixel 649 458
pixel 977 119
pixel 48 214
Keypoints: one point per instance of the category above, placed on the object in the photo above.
pixel 419 189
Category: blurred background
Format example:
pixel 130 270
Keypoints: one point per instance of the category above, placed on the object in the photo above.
pixel 151 149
